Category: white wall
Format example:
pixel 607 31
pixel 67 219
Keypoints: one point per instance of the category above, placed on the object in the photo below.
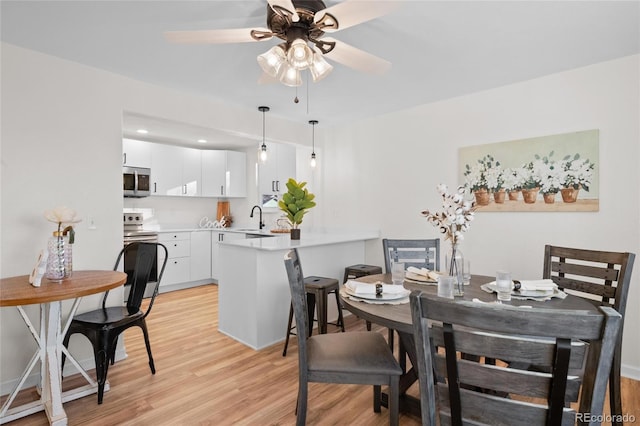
pixel 62 145
pixel 383 172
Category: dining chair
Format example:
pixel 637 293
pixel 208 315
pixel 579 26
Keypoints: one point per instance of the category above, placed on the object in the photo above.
pixel 103 326
pixel 347 358
pixel 603 277
pixel 455 390
pixel 417 253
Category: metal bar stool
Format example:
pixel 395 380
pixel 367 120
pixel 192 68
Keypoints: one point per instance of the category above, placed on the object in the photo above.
pixel 360 270
pixel 318 290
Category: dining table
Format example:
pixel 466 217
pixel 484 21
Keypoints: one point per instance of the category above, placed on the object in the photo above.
pixel 396 316
pixel 17 292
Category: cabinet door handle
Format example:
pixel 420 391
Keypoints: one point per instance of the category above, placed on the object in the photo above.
pixel 221 189
pixel 155 188
pixel 278 185
pixel 184 189
pixel 273 186
pixel 124 155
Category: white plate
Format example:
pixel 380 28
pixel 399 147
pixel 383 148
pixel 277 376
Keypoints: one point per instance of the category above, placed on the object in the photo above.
pixel 383 296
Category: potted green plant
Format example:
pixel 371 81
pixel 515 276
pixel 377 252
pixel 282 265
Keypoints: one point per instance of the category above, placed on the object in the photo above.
pixel 295 203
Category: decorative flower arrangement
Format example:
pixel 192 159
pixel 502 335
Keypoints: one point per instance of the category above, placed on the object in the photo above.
pixel 63 216
pixel 456 215
pixel 495 179
pixel 550 174
pixel 532 175
pixel 59 259
pixel 477 176
pixel 576 172
pixel 512 179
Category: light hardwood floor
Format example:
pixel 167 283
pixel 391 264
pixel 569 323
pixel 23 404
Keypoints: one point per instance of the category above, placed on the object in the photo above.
pixel 206 378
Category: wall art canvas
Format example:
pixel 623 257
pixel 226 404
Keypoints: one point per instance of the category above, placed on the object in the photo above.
pixel 555 173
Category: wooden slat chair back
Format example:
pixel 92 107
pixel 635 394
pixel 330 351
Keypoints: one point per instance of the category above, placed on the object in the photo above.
pixel 417 253
pixel 352 357
pixel 459 391
pixel 603 277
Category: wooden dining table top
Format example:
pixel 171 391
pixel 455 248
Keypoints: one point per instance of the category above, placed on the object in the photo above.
pixel 398 316
pixel 16 291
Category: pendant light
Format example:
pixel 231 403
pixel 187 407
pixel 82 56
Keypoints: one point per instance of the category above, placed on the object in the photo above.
pixel 263 147
pixel 313 142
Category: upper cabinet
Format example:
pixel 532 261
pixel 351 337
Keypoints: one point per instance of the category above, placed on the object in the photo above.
pixel 182 171
pixel 274 173
pixel 175 170
pixel 136 153
pixel 224 174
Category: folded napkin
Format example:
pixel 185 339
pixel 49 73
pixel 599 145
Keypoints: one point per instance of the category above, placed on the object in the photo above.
pixel 365 288
pixel 423 272
pixel 538 285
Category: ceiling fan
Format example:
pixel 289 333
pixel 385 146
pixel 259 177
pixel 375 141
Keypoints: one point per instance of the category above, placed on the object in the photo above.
pixel 302 25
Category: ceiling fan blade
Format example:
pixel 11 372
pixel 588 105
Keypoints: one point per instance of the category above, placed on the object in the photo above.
pixel 354 12
pixel 357 59
pixel 235 35
pixel 286 5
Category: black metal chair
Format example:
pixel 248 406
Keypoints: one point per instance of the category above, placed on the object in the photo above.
pixel 605 275
pixel 103 326
pixel 352 357
pixel 460 391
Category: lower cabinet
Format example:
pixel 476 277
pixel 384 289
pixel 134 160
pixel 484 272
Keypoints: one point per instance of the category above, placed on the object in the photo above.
pixel 200 255
pixel 179 261
pixel 217 237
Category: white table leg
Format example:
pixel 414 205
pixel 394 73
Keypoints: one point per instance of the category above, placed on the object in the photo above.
pixel 51 374
pixel 49 353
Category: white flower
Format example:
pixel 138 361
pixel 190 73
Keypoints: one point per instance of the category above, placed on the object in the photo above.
pixel 456 215
pixel 62 215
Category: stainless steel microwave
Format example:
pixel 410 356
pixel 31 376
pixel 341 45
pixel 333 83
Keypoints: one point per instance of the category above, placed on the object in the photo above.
pixel 136 182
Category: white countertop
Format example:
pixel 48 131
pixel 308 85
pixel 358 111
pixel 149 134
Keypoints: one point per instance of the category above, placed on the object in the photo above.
pixel 307 239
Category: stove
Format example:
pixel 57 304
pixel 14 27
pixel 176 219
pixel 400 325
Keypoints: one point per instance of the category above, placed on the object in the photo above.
pixel 132 225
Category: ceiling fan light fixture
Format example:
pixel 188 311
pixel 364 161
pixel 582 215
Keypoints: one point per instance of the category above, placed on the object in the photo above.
pixel 300 54
pixel 272 60
pixel 320 68
pixel 290 76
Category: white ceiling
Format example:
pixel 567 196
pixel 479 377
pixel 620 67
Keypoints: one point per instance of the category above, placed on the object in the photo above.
pixel 439 49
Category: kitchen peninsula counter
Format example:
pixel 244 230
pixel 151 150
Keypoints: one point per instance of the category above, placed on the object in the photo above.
pixel 253 289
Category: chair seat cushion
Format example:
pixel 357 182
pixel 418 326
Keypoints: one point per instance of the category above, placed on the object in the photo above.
pixel 361 352
pixel 108 316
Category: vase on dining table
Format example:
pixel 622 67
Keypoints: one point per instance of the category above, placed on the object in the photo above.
pixel 454 261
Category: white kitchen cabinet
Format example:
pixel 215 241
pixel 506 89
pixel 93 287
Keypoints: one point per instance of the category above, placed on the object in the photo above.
pixel 224 174
pixel 136 153
pixel 175 170
pixel 217 237
pixel 274 173
pixel 179 257
pixel 200 255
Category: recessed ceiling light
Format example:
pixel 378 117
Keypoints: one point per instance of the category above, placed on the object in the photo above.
pixel 142 131
pixel 202 140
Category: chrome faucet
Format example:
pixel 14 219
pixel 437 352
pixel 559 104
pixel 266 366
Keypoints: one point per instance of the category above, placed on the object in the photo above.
pixel 251 215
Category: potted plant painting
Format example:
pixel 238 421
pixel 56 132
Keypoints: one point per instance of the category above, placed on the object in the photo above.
pixel 576 173
pixel 476 179
pixel 295 203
